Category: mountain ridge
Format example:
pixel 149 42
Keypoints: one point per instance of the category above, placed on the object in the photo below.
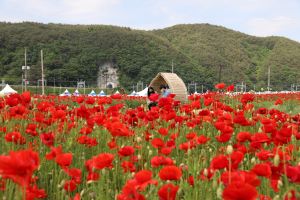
pixel 202 53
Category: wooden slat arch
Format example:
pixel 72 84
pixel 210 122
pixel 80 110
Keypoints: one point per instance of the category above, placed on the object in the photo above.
pixel 174 82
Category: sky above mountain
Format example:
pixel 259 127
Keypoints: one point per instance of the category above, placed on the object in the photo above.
pixel 255 17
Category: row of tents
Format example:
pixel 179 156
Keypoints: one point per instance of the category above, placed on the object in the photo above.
pixel 102 93
pixel 7 90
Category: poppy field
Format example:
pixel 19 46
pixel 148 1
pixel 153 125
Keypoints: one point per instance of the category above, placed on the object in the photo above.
pixel 215 146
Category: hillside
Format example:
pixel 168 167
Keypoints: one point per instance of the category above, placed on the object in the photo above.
pixel 232 56
pixel 202 53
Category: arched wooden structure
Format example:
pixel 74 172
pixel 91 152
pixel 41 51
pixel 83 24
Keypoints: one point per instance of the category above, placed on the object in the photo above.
pixel 175 84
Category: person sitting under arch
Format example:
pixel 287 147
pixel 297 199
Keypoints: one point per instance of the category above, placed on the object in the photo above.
pixel 164 91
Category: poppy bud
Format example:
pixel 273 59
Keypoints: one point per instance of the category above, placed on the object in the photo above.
pixel 229 149
pixel 138 139
pixel 259 130
pixel 219 192
pixel 205 172
pixel 276 160
pixel 276 197
pixel 61 184
pixel 82 192
pixel 280 183
pixel 253 160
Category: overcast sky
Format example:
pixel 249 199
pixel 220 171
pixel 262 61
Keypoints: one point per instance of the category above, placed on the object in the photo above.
pixel 254 17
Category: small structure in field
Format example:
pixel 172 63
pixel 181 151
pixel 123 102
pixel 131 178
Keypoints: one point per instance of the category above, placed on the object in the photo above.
pixel 174 82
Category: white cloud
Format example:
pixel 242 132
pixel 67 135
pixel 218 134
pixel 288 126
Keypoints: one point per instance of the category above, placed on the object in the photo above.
pixel 65 11
pixel 272 26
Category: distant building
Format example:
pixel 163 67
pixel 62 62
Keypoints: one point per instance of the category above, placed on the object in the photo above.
pixel 107 76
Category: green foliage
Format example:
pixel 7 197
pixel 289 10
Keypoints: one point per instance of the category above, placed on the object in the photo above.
pixel 202 53
pixel 235 57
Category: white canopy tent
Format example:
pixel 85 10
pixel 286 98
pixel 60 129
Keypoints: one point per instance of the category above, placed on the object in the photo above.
pixel 102 94
pixel 65 93
pixel 142 93
pixel 76 93
pixel 7 90
pixel 93 93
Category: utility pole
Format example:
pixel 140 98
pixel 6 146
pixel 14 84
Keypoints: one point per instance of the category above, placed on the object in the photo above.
pixel 269 75
pixel 25 68
pixel 172 66
pixel 25 55
pixel 42 64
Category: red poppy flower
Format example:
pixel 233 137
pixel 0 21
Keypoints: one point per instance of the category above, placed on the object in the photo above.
pixel 130 191
pixel 208 101
pixel 236 158
pixel 76 197
pixel 2 184
pixel 3 129
pixel 126 151
pixel 154 97
pixel 168 192
pixel 143 176
pixel 118 129
pixel 278 102
pixel 264 155
pixel 70 186
pixel 26 97
pixel 230 88
pixel 293 173
pixel 64 159
pixel 224 137
pixel 33 192
pixel 19 166
pixel 15 137
pixel 239 190
pixel 262 169
pixel 220 86
pixel 243 136
pixel 166 150
pixel 47 138
pixel 59 114
pixel 157 161
pixel 86 130
pixel 240 176
pixel 247 97
pixel 75 174
pixel 163 131
pixel 202 139
pixel 13 100
pixel 157 143
pixel 191 180
pixel 54 152
pixel 101 161
pixel 90 100
pixel 31 129
pixel 93 176
pixel 128 166
pixel 219 162
pixel 170 173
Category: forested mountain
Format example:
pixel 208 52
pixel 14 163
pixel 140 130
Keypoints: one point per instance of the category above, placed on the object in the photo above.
pixel 232 56
pixel 202 53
